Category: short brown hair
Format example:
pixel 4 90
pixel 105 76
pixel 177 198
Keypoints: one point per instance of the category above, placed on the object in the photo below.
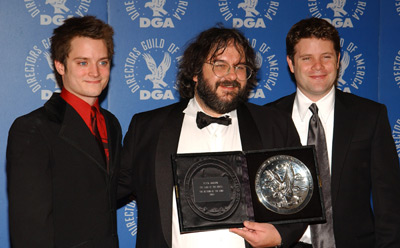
pixel 311 28
pixel 87 26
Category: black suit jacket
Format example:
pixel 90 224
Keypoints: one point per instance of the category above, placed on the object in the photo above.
pixel 364 162
pixel 146 163
pixel 59 192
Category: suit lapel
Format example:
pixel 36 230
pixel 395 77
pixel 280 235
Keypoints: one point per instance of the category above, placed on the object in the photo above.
pixel 167 145
pixel 76 133
pixel 345 118
pixel 73 129
pixel 112 136
pixel 286 103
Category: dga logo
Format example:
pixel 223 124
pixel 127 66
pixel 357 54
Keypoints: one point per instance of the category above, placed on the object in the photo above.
pixel 396 69
pixel 148 68
pixel 130 218
pixel 38 70
pixel 396 136
pixel 56 11
pixel 352 67
pixel 340 13
pixel 248 13
pixel 269 69
pixel 156 13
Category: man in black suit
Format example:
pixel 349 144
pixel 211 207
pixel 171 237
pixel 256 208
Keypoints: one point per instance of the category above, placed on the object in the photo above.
pixel 215 75
pixel 362 156
pixel 62 159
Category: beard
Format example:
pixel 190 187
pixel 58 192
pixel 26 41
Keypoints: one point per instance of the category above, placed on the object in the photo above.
pixel 210 98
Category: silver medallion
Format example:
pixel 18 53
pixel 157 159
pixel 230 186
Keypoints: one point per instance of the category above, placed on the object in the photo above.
pixel 284 184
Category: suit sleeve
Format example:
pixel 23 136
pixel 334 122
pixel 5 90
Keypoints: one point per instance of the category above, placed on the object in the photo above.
pixel 29 186
pixel 125 178
pixel 385 176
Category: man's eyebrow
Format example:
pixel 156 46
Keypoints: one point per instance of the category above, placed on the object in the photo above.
pixel 86 58
pixel 221 60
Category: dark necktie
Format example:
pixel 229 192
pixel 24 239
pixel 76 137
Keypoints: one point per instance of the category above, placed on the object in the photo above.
pixel 321 234
pixel 204 120
pixel 93 116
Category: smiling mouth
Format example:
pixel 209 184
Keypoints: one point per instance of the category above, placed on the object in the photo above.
pixel 93 81
pixel 318 76
pixel 228 84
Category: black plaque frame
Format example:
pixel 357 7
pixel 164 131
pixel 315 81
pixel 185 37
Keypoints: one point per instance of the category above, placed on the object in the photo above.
pixel 197 213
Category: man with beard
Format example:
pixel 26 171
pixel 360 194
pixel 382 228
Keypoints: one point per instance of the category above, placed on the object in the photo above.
pixel 215 75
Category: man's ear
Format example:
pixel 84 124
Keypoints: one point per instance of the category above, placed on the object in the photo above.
pixel 59 67
pixel 195 78
pixel 290 64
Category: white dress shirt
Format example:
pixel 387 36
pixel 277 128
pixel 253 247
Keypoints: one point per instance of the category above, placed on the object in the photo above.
pixel 301 115
pixel 213 138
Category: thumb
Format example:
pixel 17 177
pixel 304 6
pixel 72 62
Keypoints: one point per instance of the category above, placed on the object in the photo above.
pixel 250 225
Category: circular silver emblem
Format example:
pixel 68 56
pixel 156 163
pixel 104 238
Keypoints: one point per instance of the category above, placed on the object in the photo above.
pixel 210 169
pixel 284 184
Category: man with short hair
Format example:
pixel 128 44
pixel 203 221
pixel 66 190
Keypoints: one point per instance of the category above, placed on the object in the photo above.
pixel 62 159
pixel 216 73
pixel 362 159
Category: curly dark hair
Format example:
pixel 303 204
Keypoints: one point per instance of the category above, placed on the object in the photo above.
pixel 87 26
pixel 209 44
pixel 311 28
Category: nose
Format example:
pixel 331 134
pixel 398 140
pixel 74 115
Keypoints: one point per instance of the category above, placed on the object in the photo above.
pixel 231 74
pixel 94 70
pixel 317 65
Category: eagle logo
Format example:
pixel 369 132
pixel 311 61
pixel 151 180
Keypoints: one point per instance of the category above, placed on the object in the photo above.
pixel 337 7
pixel 344 63
pixel 250 7
pixel 50 75
pixel 58 5
pixel 157 72
pixel 157 6
pixel 259 60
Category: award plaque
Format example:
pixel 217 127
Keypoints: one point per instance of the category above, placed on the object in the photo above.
pixel 211 191
pixel 223 189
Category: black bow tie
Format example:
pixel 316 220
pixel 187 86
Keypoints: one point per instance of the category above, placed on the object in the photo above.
pixel 204 120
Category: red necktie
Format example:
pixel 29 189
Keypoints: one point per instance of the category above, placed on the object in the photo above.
pixel 93 116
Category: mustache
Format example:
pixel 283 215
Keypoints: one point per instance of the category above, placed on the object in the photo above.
pixel 228 84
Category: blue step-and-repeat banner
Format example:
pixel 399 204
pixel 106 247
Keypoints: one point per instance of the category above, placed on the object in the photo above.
pixel 160 30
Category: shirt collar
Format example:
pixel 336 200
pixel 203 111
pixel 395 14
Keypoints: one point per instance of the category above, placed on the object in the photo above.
pixel 193 107
pixel 325 105
pixel 80 106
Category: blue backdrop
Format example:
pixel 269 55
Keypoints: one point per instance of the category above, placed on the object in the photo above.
pixel 370 40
